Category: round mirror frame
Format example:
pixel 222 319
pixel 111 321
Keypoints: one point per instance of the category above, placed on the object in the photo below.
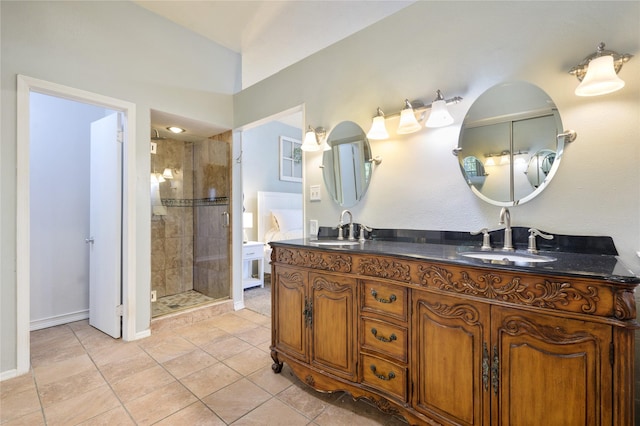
pixel 349 149
pixel 498 105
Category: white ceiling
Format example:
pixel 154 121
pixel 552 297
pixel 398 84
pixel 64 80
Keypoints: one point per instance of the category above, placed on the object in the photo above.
pixel 273 34
pixel 270 35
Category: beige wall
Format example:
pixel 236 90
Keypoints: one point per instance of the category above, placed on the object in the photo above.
pixel 463 48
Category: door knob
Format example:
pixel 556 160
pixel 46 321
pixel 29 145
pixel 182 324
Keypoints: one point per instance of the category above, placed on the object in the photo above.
pixel 89 240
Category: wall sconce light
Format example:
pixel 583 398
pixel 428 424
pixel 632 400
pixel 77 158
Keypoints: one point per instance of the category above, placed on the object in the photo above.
pixel 505 158
pixel 408 122
pixel 520 158
pixel 598 72
pixel 176 129
pixel 314 140
pixel 378 130
pixel 439 117
pixel 167 173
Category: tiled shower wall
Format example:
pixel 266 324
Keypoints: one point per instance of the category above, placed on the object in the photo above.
pixel 190 244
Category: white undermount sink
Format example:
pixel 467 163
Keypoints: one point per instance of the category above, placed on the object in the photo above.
pixel 508 256
pixel 334 243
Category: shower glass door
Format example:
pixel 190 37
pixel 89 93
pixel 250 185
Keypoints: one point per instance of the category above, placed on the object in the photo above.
pixel 211 218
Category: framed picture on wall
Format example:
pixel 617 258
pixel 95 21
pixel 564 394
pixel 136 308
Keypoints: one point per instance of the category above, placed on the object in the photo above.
pixel 290 159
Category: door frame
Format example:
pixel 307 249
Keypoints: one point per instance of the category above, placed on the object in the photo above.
pixel 26 85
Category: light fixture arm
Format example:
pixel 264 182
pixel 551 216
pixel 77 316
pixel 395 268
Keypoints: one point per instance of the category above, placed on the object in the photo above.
pixel 580 70
pixel 314 139
pixel 419 106
pixel 568 136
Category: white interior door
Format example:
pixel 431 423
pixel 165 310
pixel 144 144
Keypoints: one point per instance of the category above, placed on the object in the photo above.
pixel 105 238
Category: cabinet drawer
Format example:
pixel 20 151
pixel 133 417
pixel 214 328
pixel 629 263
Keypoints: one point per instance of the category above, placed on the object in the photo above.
pixel 252 252
pixel 384 375
pixel 385 338
pixel 384 298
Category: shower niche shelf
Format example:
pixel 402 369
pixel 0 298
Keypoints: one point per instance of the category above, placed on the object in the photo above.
pixel 184 202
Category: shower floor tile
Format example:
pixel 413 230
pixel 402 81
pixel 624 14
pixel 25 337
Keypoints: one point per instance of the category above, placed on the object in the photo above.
pixel 177 302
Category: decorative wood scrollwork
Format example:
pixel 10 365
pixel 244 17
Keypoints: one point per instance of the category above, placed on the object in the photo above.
pixel 384 268
pixel 315 260
pixel 384 405
pixel 489 285
pixel 516 325
pixel 625 305
pixel 322 283
pixel 287 278
pixel 465 312
pixel 310 380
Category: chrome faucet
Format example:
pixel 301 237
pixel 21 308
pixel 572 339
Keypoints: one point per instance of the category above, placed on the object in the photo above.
pixel 505 219
pixel 351 236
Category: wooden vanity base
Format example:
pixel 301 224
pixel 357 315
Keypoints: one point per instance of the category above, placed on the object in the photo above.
pixel 441 343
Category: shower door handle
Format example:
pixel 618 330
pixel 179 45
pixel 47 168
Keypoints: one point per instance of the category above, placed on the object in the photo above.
pixel 225 221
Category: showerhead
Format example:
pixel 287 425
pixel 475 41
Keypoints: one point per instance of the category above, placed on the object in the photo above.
pixel 157 137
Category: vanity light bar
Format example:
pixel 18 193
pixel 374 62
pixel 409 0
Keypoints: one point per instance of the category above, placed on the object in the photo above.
pixel 408 122
pixel 419 106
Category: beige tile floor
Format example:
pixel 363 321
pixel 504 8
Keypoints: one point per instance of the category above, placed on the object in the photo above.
pixel 214 372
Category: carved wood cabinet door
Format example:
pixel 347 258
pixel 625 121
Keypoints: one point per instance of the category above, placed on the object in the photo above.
pixel 333 341
pixel 451 359
pixel 291 321
pixel 552 371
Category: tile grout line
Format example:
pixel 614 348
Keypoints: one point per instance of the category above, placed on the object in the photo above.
pixel 104 378
pixel 252 336
pixel 35 384
pixel 180 381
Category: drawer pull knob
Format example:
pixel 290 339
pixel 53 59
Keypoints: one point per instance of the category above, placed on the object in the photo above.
pixel 382 338
pixel 389 376
pixel 391 298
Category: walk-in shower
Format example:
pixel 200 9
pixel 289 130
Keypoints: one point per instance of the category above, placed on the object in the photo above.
pixel 190 231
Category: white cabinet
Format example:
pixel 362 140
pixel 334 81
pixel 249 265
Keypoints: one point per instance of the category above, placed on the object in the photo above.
pixel 252 251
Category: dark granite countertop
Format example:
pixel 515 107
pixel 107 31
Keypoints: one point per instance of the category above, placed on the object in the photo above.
pixel 585 265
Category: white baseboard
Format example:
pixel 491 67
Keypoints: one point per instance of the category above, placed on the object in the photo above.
pixel 9 374
pixel 238 305
pixel 58 320
pixel 143 334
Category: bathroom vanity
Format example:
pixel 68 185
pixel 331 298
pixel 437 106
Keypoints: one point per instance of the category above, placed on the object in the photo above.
pixel 439 338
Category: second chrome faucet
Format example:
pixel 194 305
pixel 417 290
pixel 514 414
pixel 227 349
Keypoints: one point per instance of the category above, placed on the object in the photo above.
pixel 340 232
pixel 505 219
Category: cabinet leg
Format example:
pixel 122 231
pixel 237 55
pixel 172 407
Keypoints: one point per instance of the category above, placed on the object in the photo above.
pixel 277 364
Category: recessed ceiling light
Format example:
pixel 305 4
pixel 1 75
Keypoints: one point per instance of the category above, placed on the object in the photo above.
pixel 175 129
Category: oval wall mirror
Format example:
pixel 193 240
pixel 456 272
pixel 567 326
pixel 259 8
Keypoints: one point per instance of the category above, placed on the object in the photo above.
pixel 511 143
pixel 346 167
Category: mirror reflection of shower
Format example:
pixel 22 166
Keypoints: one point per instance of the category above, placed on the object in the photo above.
pixel 190 194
